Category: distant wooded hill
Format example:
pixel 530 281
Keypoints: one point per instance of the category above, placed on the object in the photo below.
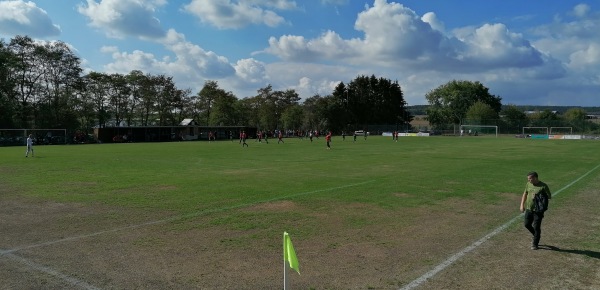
pixel 420 109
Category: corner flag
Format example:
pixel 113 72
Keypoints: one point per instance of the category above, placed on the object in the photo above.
pixel 289 255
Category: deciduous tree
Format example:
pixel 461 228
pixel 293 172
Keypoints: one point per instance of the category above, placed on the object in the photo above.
pixel 449 103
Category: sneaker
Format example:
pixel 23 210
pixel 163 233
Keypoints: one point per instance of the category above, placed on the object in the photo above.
pixel 534 247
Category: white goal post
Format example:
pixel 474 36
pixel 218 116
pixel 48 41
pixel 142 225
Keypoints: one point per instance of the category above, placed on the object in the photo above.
pixel 569 129
pixel 477 129
pixel 530 128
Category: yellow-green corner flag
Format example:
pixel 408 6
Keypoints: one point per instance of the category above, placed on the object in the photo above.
pixel 289 255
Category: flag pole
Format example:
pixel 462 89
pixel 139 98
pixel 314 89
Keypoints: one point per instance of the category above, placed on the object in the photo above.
pixel 286 283
pixel 289 256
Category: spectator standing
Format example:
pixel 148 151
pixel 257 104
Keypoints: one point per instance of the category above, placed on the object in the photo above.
pixel 533 214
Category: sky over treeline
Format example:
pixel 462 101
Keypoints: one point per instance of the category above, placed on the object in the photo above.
pixel 527 52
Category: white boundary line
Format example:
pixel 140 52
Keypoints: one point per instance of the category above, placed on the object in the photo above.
pixel 76 282
pixel 42 268
pixel 195 214
pixel 417 282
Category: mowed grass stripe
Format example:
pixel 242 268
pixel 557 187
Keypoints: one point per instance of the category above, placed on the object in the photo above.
pixel 157 175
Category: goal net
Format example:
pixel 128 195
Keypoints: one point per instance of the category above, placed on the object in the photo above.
pixel 478 130
pixel 535 131
pixel 561 130
pixel 18 137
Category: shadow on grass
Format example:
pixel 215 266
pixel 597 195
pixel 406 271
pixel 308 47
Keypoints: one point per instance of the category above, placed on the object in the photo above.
pixel 591 254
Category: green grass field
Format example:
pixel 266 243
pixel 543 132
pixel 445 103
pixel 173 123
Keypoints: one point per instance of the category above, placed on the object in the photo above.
pixel 191 177
pixel 356 185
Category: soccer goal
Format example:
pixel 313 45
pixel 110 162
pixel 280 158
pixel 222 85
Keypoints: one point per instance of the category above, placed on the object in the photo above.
pixel 535 131
pixel 479 130
pixel 561 130
pixel 17 137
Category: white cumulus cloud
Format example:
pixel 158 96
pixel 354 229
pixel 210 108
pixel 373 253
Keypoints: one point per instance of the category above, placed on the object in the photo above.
pixel 227 14
pixel 251 71
pixel 395 35
pixel 25 18
pixel 119 18
pixel 189 66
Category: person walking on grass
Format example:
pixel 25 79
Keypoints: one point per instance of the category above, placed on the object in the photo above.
pixel 280 136
pixel 536 192
pixel 29 146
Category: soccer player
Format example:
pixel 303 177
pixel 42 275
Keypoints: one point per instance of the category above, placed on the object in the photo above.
pixel 328 139
pixel 29 146
pixel 244 136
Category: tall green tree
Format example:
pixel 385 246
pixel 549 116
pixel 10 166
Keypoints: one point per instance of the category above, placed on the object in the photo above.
pixel 545 118
pixel 267 109
pixel 8 102
pixel 118 94
pixel 370 100
pixel 576 118
pixel 514 118
pixel 181 104
pixel 148 98
pixel 575 114
pixel 166 97
pixel 449 103
pixel 96 96
pixel 481 114
pixel 135 82
pixel 27 71
pixel 292 117
pixel 60 84
pixel 316 113
pixel 207 94
pixel 217 106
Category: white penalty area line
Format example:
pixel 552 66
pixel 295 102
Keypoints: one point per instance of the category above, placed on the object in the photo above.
pixel 76 282
pixel 417 282
pixel 52 272
pixel 191 215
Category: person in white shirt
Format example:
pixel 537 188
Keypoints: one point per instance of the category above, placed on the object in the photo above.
pixel 29 146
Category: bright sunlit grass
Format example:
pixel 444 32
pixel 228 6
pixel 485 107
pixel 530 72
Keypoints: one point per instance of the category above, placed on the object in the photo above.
pixel 186 177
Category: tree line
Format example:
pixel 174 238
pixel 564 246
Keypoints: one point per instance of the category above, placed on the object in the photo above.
pixel 471 103
pixel 43 85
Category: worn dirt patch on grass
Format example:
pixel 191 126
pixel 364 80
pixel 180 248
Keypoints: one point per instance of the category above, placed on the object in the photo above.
pixel 283 205
pixel 342 246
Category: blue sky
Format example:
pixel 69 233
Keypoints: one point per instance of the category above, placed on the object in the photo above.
pixel 527 52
